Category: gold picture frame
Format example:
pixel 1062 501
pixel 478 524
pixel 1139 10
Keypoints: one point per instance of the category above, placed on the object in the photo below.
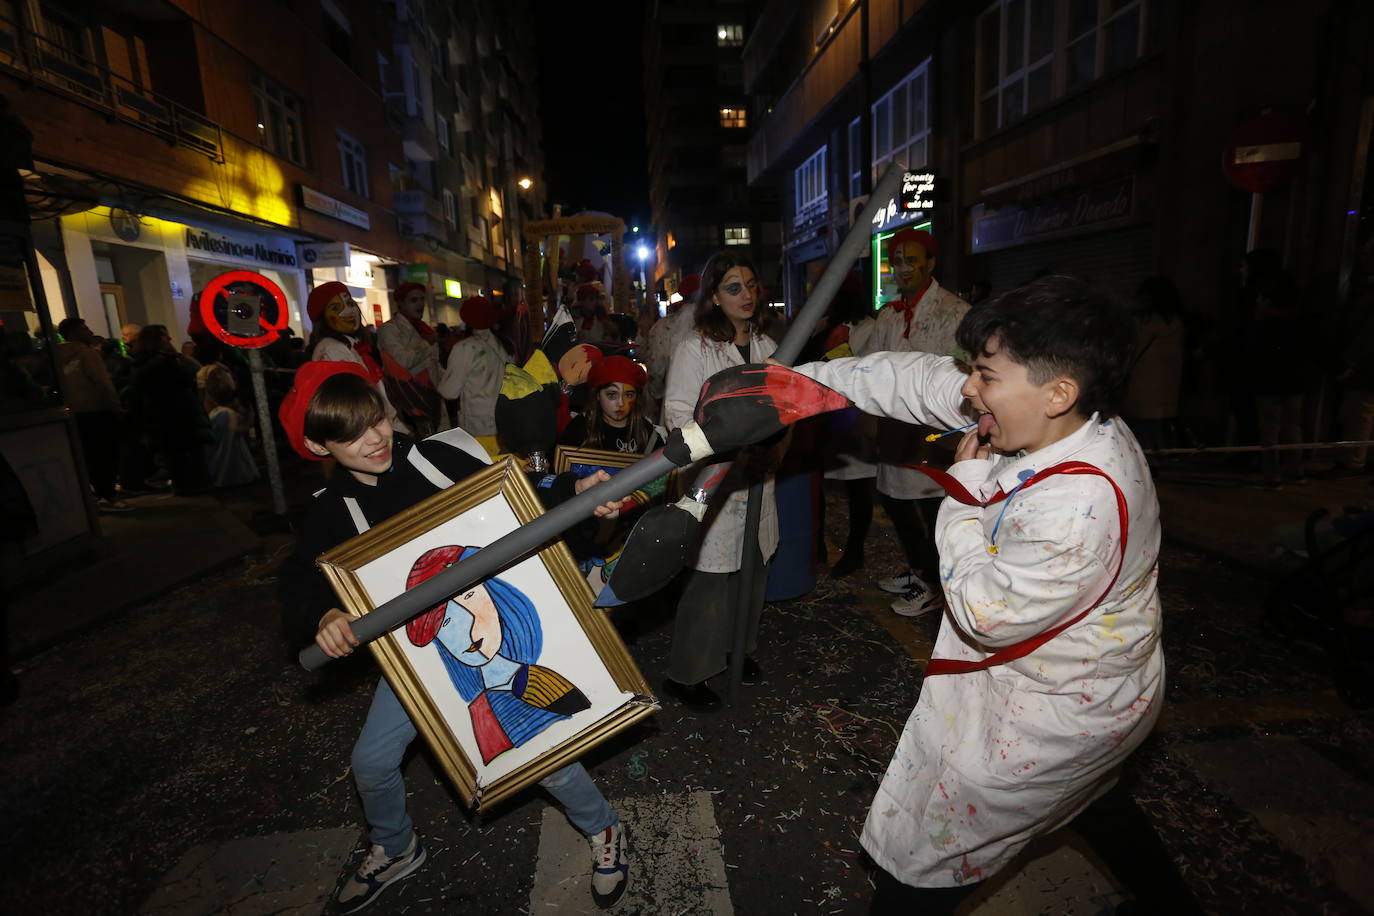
pixel 540 602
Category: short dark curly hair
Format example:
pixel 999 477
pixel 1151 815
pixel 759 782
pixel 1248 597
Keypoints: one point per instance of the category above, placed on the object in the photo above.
pixel 1059 326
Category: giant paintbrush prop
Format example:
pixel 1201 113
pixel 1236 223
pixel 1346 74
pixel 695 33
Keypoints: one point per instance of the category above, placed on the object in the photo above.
pixel 722 423
pixel 658 546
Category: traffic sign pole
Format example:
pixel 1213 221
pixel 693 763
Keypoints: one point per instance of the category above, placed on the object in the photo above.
pixel 268 436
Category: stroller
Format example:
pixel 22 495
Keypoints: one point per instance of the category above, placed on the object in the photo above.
pixel 1328 601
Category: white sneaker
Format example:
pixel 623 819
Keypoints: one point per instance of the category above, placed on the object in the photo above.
pixel 920 599
pixel 899 584
pixel 610 866
pixel 376 872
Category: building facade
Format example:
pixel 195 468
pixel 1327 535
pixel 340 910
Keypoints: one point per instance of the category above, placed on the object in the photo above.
pixel 699 120
pixel 1072 136
pixel 314 140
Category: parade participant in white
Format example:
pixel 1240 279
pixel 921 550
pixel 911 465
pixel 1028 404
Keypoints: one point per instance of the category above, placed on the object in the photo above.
pixel 476 366
pixel 993 757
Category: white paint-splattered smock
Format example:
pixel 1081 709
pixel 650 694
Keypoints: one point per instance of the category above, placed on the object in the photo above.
pixel 934 320
pixel 695 360
pixel 992 758
pixel 476 367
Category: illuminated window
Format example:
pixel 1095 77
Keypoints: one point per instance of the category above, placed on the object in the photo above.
pixel 1028 55
pixel 353 160
pixel 737 235
pixel 672 242
pixel 809 186
pixel 279 120
pixel 729 36
pixel 901 122
pixel 733 117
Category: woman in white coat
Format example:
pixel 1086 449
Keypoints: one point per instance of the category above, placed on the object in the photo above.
pixel 1015 734
pixel 726 333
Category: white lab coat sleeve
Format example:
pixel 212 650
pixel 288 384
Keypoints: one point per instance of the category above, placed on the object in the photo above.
pixel 456 373
pixel 911 387
pixel 685 377
pixel 1049 559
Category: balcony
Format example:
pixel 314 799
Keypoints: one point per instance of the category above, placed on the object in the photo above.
pixel 417 203
pixel 418 139
pixel 83 80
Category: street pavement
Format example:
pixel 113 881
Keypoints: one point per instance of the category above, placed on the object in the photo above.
pixel 173 759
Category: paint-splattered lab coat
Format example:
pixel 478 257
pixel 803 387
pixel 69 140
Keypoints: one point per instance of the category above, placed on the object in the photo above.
pixel 991 758
pixel 476 367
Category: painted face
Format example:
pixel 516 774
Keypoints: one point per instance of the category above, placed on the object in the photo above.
pixel 737 293
pixel 1020 409
pixel 366 456
pixel 413 305
pixel 471 630
pixel 911 266
pixel 342 314
pixel 616 401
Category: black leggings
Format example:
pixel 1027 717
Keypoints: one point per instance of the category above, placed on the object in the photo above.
pixel 893 898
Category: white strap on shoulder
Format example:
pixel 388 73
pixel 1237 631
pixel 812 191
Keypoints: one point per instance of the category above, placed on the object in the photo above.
pixel 356 511
pixel 460 438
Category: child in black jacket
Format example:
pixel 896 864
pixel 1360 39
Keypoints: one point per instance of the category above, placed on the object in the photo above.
pixel 335 412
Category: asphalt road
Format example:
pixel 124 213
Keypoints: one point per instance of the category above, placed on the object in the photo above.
pixel 178 761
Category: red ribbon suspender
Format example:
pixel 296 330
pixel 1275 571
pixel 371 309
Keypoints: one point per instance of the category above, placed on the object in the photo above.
pixel 1021 649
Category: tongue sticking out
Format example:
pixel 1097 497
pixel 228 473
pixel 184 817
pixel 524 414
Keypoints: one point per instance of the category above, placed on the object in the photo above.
pixel 985 424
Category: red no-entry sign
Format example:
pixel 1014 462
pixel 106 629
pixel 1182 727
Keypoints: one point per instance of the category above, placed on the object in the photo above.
pixel 264 318
pixel 1264 152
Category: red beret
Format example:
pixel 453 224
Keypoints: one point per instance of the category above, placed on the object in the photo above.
pixel 425 627
pixel 617 369
pixel 689 286
pixel 919 236
pixel 405 289
pixel 587 292
pixel 307 381
pixel 586 271
pixel 478 313
pixel 320 296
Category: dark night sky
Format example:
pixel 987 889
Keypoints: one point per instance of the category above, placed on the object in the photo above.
pixel 591 87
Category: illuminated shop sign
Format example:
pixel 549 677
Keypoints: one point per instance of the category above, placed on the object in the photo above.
pixel 246 249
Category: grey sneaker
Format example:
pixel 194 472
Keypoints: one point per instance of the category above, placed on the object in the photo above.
pixel 376 872
pixel 920 599
pixel 610 866
pixel 899 584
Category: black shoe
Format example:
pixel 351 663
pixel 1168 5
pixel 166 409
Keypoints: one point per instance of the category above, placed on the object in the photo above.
pixel 696 697
pixel 852 561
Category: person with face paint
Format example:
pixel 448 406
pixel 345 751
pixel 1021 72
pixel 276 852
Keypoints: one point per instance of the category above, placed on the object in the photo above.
pixel 336 325
pixel 614 420
pixel 924 319
pixel 726 334
pixel 410 360
pixel 487 636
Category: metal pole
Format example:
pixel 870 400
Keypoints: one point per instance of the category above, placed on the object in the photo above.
pixel 269 441
pixel 1256 209
pixel 497 555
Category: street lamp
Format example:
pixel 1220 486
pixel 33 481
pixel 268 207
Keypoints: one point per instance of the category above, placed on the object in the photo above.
pixel 525 183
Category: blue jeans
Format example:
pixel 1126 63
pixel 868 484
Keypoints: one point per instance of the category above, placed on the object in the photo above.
pixel 387 733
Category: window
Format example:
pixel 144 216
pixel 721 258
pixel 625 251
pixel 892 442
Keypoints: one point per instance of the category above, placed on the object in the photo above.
pixel 1031 51
pixel 353 160
pixel 1103 36
pixel 733 117
pixel 809 188
pixel 729 36
pixel 338 32
pixel 450 207
pixel 856 162
pixel 279 120
pixel 732 156
pixel 901 122
pixel 737 235
pixel 1016 60
pixel 443 131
